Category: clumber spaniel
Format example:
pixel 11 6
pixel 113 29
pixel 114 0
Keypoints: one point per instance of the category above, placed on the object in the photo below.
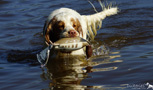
pixel 65 22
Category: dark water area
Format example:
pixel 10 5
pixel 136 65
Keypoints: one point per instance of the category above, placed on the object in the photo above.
pixel 127 36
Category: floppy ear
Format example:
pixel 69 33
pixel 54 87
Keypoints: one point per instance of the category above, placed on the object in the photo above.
pixel 50 37
pixel 47 32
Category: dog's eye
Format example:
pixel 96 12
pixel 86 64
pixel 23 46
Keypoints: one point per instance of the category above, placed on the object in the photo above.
pixel 74 25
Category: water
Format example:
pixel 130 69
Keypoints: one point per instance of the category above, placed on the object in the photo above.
pixel 127 36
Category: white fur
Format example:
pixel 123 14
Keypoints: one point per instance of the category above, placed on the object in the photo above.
pixel 90 23
pixel 94 22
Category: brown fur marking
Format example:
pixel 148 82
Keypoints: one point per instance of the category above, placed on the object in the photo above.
pixel 76 25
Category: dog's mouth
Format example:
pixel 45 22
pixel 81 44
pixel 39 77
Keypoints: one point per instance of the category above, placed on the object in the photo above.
pixel 64 45
pixel 69 44
pixel 64 34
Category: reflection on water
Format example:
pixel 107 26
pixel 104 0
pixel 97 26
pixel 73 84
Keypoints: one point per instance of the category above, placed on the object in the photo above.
pixel 67 73
pixel 129 36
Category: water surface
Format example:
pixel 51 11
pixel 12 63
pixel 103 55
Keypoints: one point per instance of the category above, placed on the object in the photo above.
pixel 126 38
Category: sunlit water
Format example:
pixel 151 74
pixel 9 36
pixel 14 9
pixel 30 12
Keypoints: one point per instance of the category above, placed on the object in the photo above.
pixel 126 40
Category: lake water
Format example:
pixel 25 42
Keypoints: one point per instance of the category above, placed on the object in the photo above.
pixel 127 39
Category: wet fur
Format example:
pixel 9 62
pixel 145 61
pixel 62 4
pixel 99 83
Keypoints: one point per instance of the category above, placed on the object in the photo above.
pixel 62 20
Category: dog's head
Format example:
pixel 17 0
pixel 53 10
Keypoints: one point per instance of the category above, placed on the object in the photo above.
pixel 62 23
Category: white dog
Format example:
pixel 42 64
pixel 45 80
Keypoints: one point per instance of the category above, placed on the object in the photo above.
pixel 65 22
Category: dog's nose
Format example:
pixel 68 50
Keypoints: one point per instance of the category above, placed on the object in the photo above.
pixel 72 33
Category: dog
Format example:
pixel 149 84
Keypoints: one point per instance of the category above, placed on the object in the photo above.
pixel 65 22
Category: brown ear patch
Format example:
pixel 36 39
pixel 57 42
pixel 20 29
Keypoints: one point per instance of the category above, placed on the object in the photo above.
pixel 47 34
pixel 48 30
pixel 53 30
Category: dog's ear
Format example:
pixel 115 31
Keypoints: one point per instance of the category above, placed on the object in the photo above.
pixel 46 31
